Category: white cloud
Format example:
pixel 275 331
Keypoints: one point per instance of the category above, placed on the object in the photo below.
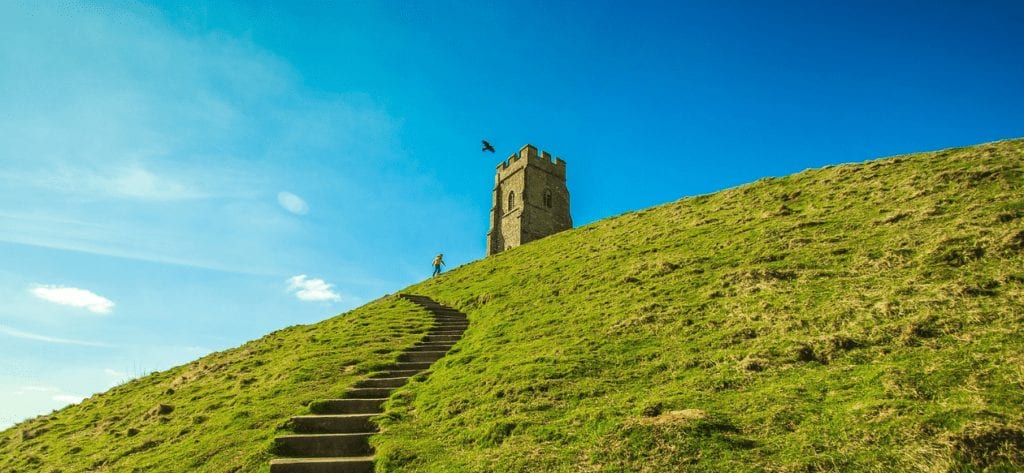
pixel 114 373
pixel 69 398
pixel 165 144
pixel 292 203
pixel 74 297
pixel 307 289
pixel 58 394
pixel 13 332
pixel 136 182
pixel 130 181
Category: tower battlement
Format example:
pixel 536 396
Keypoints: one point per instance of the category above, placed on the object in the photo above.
pixel 530 199
pixel 527 155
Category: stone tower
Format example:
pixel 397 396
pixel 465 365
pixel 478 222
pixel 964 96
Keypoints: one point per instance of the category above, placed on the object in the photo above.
pixel 530 200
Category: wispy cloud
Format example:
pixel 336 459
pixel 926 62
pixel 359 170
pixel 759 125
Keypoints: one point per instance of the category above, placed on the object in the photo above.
pixel 163 142
pixel 74 297
pixel 131 181
pixel 311 289
pixel 114 373
pixel 68 398
pixel 13 332
pixel 292 203
pixel 124 240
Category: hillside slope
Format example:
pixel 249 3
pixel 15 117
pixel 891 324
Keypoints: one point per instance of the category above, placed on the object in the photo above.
pixel 854 318
pixel 221 412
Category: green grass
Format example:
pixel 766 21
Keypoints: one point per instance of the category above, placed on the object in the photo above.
pixel 221 412
pixel 860 317
pixel 854 318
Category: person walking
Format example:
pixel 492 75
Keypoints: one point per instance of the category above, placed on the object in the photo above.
pixel 438 262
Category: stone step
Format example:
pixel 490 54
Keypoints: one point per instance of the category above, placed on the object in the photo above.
pixel 436 343
pixel 394 373
pixel 337 439
pixel 347 406
pixel 454 333
pixel 336 423
pixel 462 327
pixel 442 338
pixel 431 347
pixel 411 365
pixel 416 297
pixel 324 445
pixel 367 393
pixel 424 356
pixel 322 465
pixel 444 343
pixel 383 382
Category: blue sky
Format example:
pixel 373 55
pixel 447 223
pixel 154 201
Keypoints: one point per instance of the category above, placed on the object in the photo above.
pixel 176 180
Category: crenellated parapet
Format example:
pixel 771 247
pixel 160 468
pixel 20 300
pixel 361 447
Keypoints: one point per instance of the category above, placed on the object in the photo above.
pixel 528 156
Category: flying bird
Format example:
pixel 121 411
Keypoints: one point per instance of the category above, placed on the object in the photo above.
pixel 487 146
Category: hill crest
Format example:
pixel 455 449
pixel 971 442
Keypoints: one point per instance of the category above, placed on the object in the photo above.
pixel 844 318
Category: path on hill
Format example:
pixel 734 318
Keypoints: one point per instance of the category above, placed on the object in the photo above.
pixel 336 438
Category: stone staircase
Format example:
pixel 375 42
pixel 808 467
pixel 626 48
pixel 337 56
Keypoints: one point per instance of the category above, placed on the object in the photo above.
pixel 336 437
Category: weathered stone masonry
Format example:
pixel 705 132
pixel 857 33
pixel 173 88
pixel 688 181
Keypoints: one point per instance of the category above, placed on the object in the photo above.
pixel 530 200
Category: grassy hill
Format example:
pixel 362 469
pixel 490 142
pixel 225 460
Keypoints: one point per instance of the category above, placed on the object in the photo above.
pixel 861 317
pixel 219 413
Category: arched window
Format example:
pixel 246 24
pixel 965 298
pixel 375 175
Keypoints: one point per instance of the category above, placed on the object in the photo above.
pixel 511 200
pixel 547 198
